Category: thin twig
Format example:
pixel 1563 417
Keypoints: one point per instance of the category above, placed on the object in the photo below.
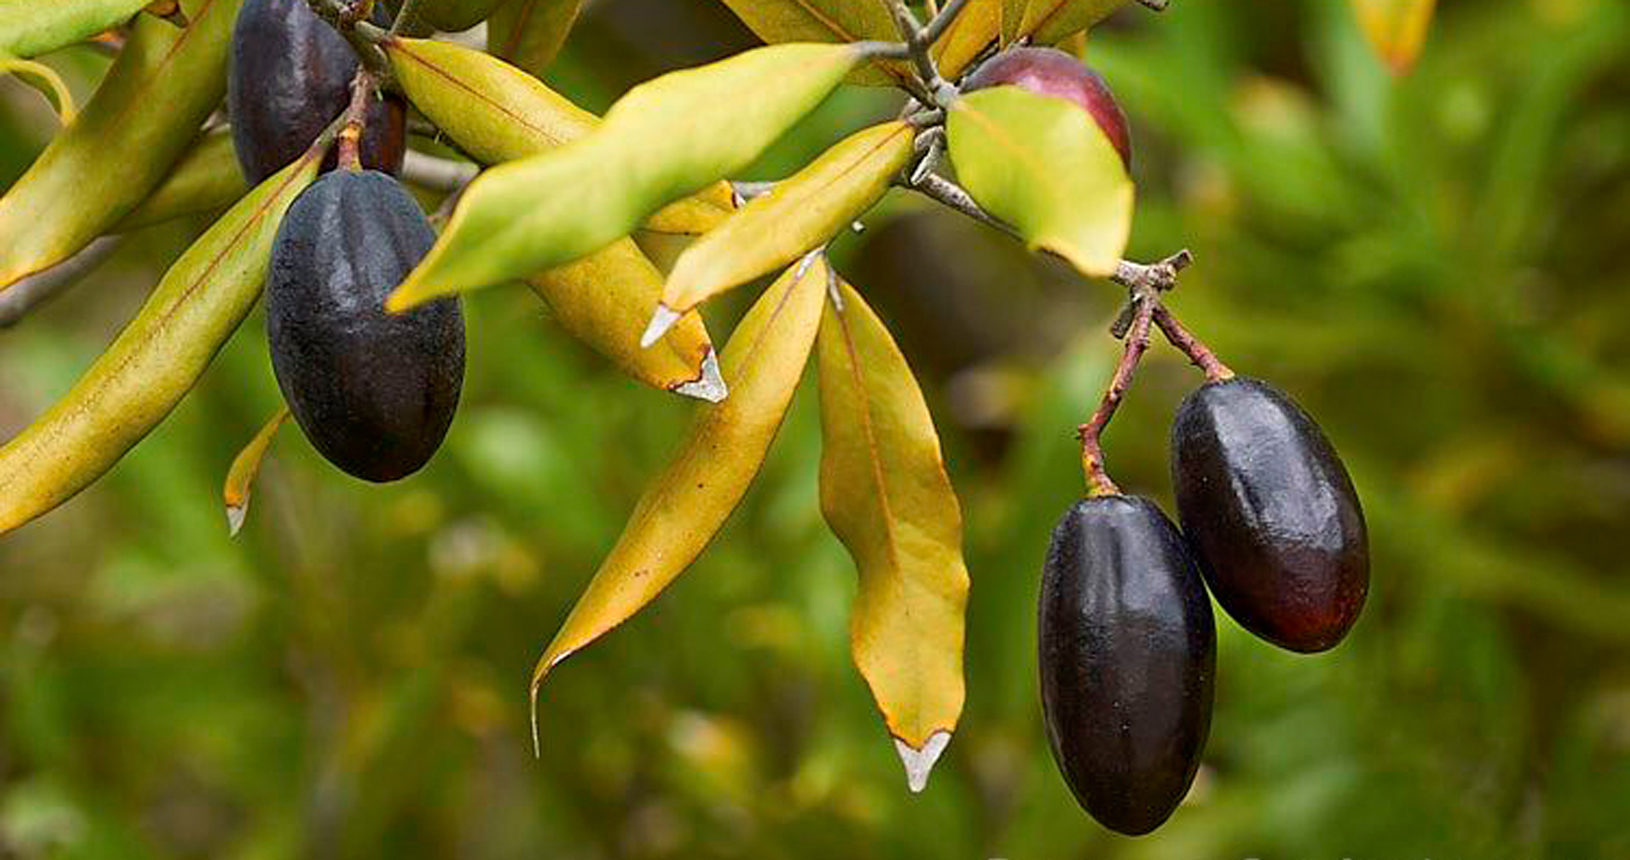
pixel 437 174
pixel 1091 433
pixel 363 88
pixel 404 15
pixel 17 300
pixel 943 20
pixel 1152 279
pixel 955 196
pixel 1185 341
pixel 363 36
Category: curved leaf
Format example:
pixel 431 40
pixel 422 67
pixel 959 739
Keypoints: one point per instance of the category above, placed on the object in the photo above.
pixel 456 15
pixel 498 113
pixel 603 300
pixel 147 111
pixel 689 501
pixel 885 494
pixel 206 179
pixel 979 25
pixel 156 360
pixel 528 33
pixel 240 478
pixel 1043 165
pixel 1049 21
pixel 29 28
pixel 803 212
pixel 777 21
pixel 552 208
pixel 1396 29
pixel 46 80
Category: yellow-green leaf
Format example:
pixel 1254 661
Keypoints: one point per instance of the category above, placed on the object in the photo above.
pixel 497 113
pixel 604 300
pixel 240 479
pixel 46 80
pixel 156 360
pixel 689 501
pixel 1043 165
pixel 1012 17
pixel 29 28
pixel 1396 29
pixel 549 209
pixel 528 33
pixel 801 213
pixel 142 119
pixel 886 495
pixel 1049 21
pixel 777 21
pixel 206 179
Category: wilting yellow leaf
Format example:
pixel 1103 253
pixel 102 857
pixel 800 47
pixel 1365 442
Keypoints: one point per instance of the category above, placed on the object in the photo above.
pixel 803 212
pixel 158 357
pixel 1396 29
pixel 664 140
pixel 885 493
pixel 686 503
pixel 1043 165
pixel 240 479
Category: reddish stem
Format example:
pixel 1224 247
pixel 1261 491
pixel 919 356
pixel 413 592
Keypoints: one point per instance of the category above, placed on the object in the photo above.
pixel 1191 346
pixel 350 142
pixel 1090 433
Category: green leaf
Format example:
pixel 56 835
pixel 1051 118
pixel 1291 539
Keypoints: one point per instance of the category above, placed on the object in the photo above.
pixel 664 140
pixel 456 15
pixel 1050 21
pixel 143 117
pixel 497 113
pixel 803 212
pixel 777 21
pixel 1396 29
pixel 29 28
pixel 156 360
pixel 206 179
pixel 528 33
pixel 886 495
pixel 1043 165
pixel 687 503
pixel 240 478
pixel 45 79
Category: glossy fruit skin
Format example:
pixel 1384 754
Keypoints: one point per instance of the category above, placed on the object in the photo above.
pixel 1051 72
pixel 374 392
pixel 1272 514
pixel 290 77
pixel 1128 652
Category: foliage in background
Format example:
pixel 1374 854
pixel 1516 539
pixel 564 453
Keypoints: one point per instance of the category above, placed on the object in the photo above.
pixel 1431 264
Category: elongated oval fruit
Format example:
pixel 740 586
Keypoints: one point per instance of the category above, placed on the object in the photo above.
pixel 374 392
pixel 1051 72
pixel 1128 657
pixel 1272 514
pixel 290 77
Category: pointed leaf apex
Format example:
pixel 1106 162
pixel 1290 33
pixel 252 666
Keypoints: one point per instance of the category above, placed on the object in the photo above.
pixel 661 322
pixel 710 385
pixel 919 763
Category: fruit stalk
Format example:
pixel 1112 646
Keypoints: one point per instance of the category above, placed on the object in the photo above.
pixel 1090 433
pixel 350 143
pixel 1191 346
pixel 363 36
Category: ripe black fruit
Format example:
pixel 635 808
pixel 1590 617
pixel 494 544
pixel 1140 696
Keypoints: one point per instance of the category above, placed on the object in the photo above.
pixel 1128 658
pixel 374 392
pixel 290 77
pixel 1272 514
pixel 1051 72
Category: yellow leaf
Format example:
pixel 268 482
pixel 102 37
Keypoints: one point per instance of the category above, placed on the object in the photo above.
pixel 803 212
pixel 687 503
pixel 604 299
pixel 1049 21
pixel 46 80
pixel 1396 29
pixel 664 140
pixel 885 494
pixel 146 112
pixel 497 113
pixel 240 479
pixel 979 25
pixel 1043 165
pixel 158 357
pixel 777 21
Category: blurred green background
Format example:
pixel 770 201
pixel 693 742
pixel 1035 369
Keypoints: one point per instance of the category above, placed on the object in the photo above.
pixel 1435 267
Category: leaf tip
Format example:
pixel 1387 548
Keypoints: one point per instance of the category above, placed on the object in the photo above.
pixel 919 763
pixel 661 322
pixel 236 512
pixel 710 386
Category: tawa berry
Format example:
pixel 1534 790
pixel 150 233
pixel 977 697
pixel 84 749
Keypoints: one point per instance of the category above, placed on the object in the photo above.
pixel 1051 72
pixel 1271 513
pixel 374 392
pixel 1128 653
pixel 290 77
